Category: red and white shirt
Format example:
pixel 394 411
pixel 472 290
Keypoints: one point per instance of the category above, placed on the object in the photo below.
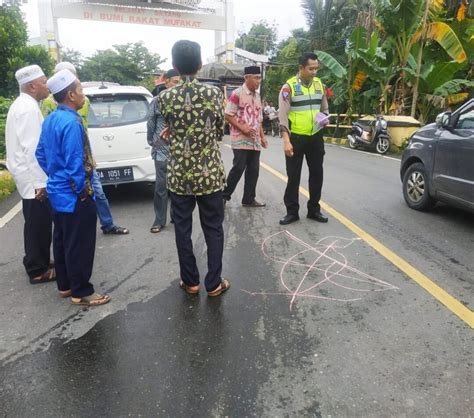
pixel 246 106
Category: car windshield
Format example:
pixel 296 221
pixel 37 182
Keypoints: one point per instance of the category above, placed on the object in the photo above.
pixel 117 110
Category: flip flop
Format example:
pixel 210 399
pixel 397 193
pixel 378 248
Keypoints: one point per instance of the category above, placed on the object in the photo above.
pixel 156 229
pixel 93 300
pixel 223 287
pixel 188 289
pixel 65 293
pixel 48 276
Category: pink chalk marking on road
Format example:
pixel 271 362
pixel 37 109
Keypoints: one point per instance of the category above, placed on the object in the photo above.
pixel 329 260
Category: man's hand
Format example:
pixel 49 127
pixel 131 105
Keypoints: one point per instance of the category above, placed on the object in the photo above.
pixel 288 148
pixel 264 142
pixel 41 194
pixel 165 134
pixel 248 131
pixel 83 196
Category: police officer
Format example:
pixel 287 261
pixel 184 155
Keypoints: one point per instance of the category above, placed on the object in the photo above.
pixel 303 112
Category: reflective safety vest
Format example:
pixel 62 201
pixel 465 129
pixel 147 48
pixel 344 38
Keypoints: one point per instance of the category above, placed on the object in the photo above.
pixel 305 105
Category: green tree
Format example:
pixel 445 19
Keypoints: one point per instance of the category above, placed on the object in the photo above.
pixel 260 39
pixel 331 22
pixel 284 63
pixel 14 50
pixel 137 53
pixel 72 56
pixel 108 65
pixel 37 54
pixel 127 64
pixel 4 106
pixel 13 38
pixel 407 25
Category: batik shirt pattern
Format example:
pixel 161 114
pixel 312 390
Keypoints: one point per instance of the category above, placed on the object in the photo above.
pixel 194 114
pixel 246 106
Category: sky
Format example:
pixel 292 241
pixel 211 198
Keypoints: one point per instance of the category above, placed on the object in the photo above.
pixel 90 36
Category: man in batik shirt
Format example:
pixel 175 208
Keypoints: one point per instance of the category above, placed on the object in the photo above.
pixel 244 114
pixel 193 113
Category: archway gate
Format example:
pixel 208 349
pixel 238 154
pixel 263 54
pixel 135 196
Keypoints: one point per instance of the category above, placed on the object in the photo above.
pixel 214 15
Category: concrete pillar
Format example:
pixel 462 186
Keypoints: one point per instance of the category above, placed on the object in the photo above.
pixel 230 31
pixel 48 26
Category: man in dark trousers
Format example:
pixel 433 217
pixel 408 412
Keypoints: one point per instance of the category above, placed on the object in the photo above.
pixel 64 154
pixel 194 115
pixel 303 112
pixel 244 114
pixel 22 134
pixel 159 153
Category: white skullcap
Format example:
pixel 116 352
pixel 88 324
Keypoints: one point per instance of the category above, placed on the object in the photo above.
pixel 26 74
pixel 60 81
pixel 64 66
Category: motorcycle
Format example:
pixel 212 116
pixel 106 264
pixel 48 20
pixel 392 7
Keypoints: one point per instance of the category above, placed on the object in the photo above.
pixel 373 136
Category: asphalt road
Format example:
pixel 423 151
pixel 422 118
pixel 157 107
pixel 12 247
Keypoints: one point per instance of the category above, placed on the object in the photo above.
pixel 317 322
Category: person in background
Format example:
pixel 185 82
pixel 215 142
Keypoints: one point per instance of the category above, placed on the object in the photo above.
pixel 64 154
pixel 166 81
pixel 303 112
pixel 22 132
pixel 160 153
pixel 103 208
pixel 244 114
pixel 194 116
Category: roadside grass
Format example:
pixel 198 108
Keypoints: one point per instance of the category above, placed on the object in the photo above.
pixel 7 185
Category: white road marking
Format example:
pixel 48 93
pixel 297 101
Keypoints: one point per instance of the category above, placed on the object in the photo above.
pixel 10 214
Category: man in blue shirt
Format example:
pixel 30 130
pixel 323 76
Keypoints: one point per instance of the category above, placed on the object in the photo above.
pixel 64 154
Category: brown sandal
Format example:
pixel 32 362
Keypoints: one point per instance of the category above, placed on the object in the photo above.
pixel 224 286
pixel 65 293
pixel 48 276
pixel 92 300
pixel 188 289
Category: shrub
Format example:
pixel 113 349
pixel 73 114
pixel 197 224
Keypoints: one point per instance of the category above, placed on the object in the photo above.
pixel 7 185
pixel 4 106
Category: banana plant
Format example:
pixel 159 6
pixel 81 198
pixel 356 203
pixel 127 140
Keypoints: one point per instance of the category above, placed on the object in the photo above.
pixel 407 26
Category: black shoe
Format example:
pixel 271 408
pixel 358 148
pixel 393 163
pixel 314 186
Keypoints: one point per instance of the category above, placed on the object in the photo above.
pixel 317 216
pixel 288 219
pixel 254 204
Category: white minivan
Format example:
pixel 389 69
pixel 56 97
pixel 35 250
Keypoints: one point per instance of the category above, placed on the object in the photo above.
pixel 117 132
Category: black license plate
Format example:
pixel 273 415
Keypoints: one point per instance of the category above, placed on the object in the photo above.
pixel 115 175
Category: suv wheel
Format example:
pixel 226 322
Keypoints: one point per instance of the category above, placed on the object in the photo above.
pixel 416 188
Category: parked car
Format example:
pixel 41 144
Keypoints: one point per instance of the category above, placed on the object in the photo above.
pixel 438 164
pixel 117 132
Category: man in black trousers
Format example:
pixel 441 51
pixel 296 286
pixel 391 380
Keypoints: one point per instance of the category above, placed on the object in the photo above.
pixel 244 114
pixel 194 116
pixel 64 154
pixel 303 112
pixel 22 134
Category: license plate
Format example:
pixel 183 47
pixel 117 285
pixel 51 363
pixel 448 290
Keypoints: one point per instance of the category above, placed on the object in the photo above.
pixel 115 175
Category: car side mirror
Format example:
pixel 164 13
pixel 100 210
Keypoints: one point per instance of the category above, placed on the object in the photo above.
pixel 443 120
